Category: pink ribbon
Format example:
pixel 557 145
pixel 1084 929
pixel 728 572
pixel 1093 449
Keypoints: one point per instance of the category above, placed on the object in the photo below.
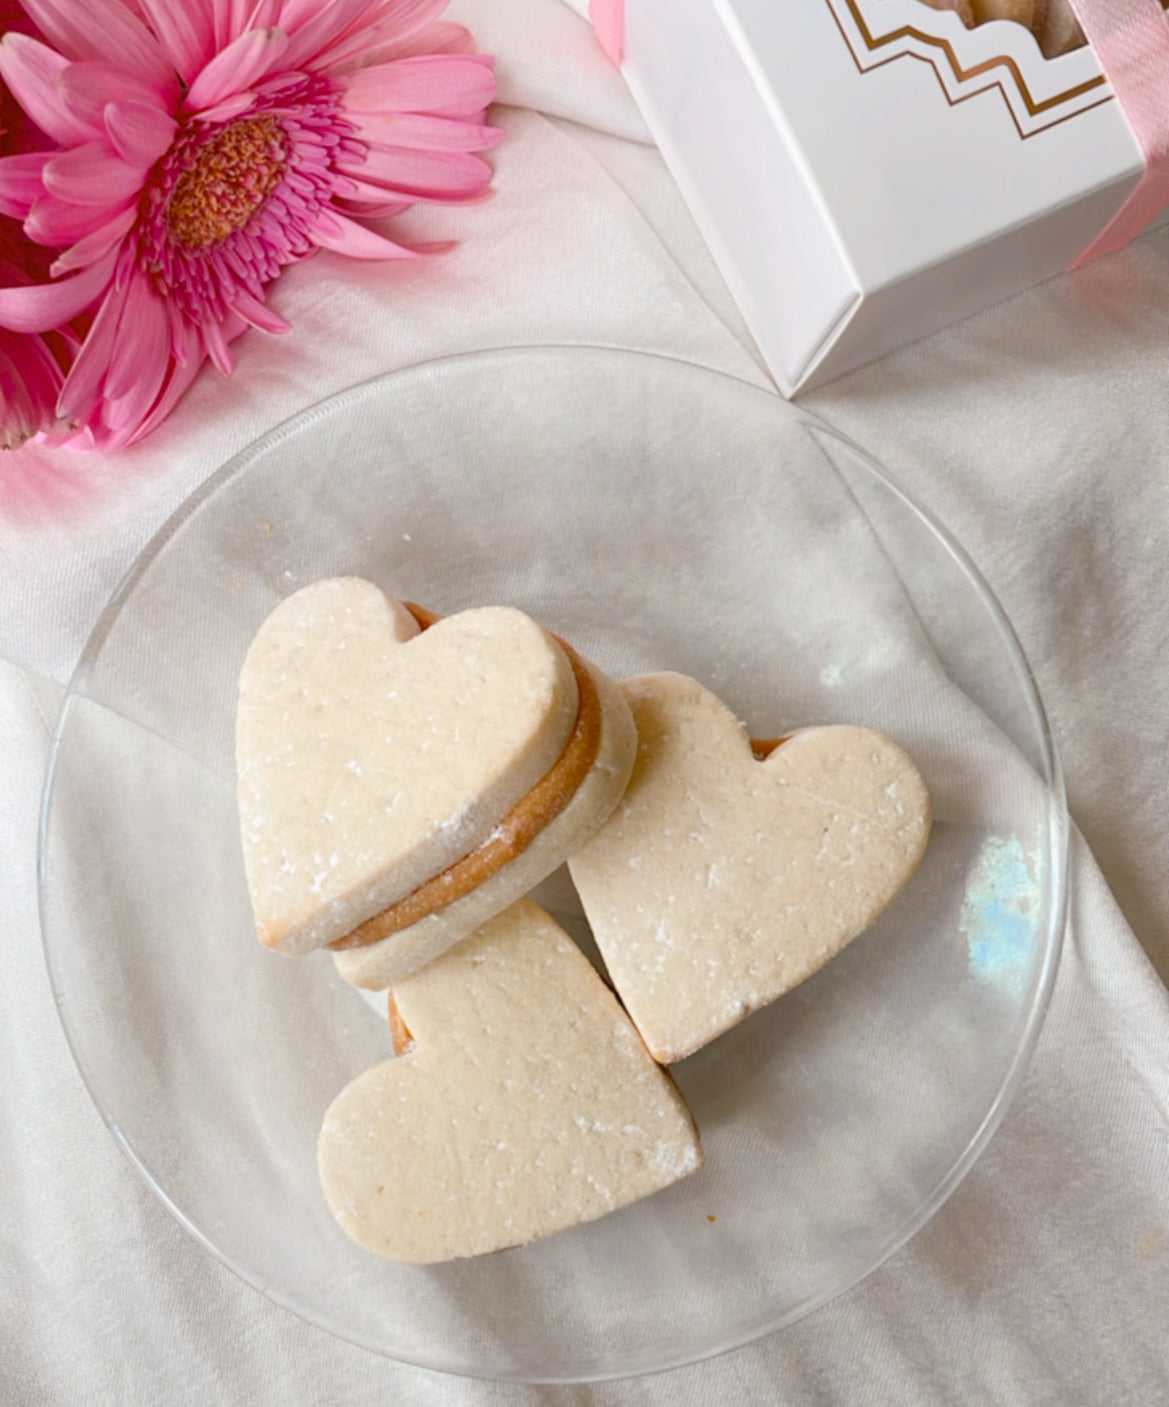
pixel 1131 40
pixel 608 19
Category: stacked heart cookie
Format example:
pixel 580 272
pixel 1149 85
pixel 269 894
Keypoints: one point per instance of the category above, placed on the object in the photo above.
pixel 1052 22
pixel 400 786
pixel 404 782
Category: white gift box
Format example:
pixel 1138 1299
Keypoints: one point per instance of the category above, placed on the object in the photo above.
pixel 867 171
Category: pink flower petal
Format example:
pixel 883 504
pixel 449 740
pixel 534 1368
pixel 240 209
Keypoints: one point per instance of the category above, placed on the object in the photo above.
pixel 447 85
pixel 110 423
pixel 370 201
pixel 185 31
pixel 20 182
pixel 333 231
pixel 258 314
pixel 425 133
pixel 31 72
pixel 440 38
pixel 363 47
pixel 216 345
pixel 232 17
pixel 29 378
pixel 237 67
pixel 82 389
pixel 57 223
pixel 295 13
pixel 407 17
pixel 100 29
pixel 229 108
pixel 323 25
pixel 93 245
pixel 141 351
pixel 47 305
pixel 91 175
pixel 88 88
pixel 441 175
pixel 140 133
pixel 396 30
pixel 229 18
pixel 188 358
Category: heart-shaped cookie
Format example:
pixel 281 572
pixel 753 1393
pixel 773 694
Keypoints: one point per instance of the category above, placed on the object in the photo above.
pixel 371 755
pixel 525 1103
pixel 721 880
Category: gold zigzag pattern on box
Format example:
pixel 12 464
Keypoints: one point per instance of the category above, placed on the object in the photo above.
pixel 960 81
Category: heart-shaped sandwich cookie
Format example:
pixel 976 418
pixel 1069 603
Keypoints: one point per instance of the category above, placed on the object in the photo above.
pixel 523 1103
pixel 400 785
pixel 722 880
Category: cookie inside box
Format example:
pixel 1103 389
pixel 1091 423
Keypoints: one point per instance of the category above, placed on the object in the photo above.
pixel 1053 23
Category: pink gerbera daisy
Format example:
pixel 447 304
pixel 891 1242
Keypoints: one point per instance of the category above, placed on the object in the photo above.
pixel 199 148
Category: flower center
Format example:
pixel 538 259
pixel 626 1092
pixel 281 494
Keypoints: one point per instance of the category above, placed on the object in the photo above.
pixel 233 174
pixel 227 207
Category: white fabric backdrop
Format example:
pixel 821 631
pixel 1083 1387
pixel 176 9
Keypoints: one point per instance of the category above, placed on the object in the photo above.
pixel 1039 432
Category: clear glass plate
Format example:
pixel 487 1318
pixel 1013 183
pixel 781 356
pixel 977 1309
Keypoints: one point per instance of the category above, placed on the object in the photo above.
pixel 659 516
